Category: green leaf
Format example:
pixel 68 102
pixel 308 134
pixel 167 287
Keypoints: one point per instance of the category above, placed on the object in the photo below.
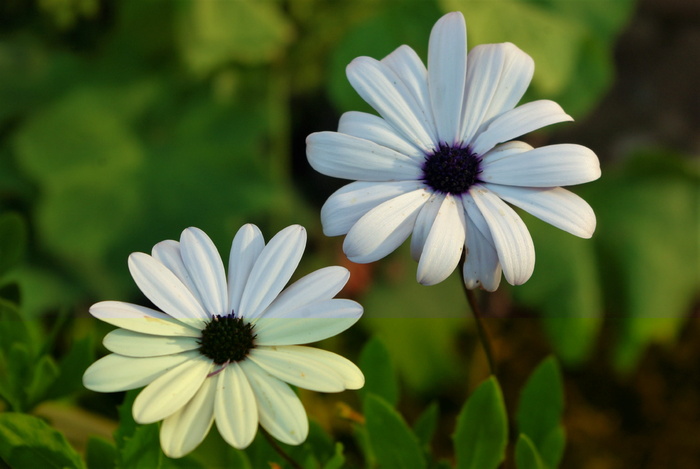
pixel 481 435
pixel 337 461
pixel 393 443
pixel 526 455
pixel 540 411
pixel 71 368
pixel 142 449
pixel 380 375
pixel 13 240
pixel 425 425
pixel 213 33
pixel 29 442
pixel 100 453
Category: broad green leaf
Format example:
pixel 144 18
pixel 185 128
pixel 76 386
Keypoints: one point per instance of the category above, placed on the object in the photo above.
pixel 425 425
pixel 27 442
pixel 380 375
pixel 211 34
pixel 337 461
pixel 565 289
pixel 100 453
pixel 393 443
pixel 481 435
pixel 44 373
pixel 526 455
pixel 540 411
pixel 13 240
pixel 142 449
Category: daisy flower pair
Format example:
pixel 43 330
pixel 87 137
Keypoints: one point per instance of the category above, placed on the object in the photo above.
pixel 439 165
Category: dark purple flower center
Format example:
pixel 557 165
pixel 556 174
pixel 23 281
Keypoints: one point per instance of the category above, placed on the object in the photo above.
pixel 451 170
pixel 226 339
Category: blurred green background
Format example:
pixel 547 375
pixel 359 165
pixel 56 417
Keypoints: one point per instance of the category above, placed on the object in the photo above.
pixel 122 123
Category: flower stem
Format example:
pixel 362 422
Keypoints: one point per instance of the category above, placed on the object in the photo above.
pixel 280 451
pixel 478 318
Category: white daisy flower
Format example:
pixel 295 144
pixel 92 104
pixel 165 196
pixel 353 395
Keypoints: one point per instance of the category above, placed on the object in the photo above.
pixel 223 349
pixel 434 164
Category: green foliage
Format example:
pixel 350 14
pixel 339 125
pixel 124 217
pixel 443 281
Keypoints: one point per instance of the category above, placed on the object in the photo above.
pixel 526 455
pixel 481 434
pixel 100 454
pixel 426 424
pixel 392 441
pixel 539 415
pixel 27 442
pixel 13 240
pixel 380 375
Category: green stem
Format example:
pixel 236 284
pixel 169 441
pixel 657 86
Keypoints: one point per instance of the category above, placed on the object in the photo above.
pixel 280 451
pixel 478 318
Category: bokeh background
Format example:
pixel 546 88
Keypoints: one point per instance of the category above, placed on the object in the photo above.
pixel 124 122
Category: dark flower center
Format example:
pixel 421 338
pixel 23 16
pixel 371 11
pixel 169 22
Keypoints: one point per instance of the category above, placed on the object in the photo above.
pixel 226 339
pixel 451 170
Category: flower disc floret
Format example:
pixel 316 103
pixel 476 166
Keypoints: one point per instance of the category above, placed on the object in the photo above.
pixel 227 339
pixel 451 170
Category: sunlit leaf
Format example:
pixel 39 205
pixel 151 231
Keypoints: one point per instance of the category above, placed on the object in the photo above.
pixel 27 442
pixel 482 428
pixel 213 33
pixel 526 455
pixel 540 411
pixel 393 443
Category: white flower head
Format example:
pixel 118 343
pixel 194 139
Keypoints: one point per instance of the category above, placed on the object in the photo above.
pixel 435 165
pixel 223 349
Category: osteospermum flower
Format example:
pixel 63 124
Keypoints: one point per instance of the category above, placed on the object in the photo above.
pixel 434 164
pixel 223 349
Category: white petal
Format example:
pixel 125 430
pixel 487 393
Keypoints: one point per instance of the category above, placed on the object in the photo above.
pixel 410 69
pixel 309 368
pixel 483 72
pixel 377 130
pixel 553 165
pixel 424 221
pixel 320 285
pixel 279 409
pixel 245 250
pixel 168 253
pixel 347 157
pixel 516 252
pixel 349 203
pixel 481 267
pixel 447 71
pixel 183 431
pixel 165 290
pixel 141 319
pixel 204 264
pixel 386 92
pixel 516 74
pixel 236 410
pixel 310 323
pixel 559 207
pixel 272 270
pixel 134 344
pixel 115 373
pixel 519 121
pixel 383 229
pixel 505 150
pixel 444 245
pixel 170 391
